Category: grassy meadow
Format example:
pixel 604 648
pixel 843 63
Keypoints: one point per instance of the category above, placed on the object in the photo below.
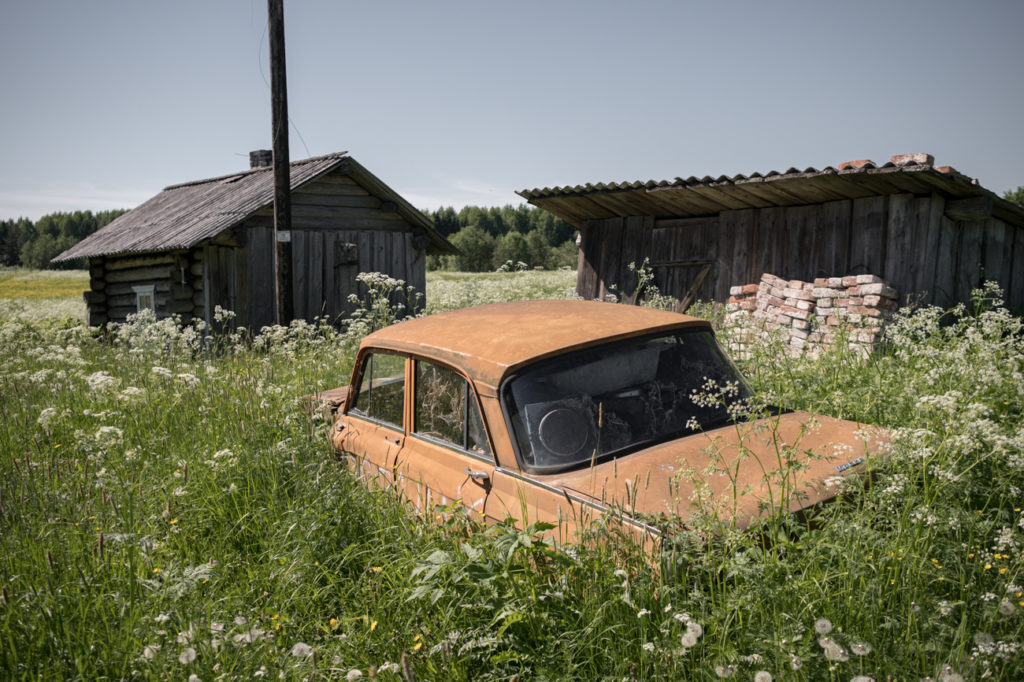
pixel 168 511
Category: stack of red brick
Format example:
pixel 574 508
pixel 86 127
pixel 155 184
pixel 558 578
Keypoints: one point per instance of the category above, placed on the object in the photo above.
pixel 853 308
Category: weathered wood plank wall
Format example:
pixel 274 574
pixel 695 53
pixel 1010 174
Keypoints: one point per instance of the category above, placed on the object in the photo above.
pixel 911 241
pixel 326 258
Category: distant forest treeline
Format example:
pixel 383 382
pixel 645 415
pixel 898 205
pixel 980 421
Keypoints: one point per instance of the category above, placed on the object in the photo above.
pixel 33 244
pixel 487 237
pixel 490 237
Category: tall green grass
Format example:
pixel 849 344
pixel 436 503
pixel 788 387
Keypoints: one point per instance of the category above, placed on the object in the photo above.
pixel 167 510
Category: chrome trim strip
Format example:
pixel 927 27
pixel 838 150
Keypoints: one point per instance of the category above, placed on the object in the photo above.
pixel 561 492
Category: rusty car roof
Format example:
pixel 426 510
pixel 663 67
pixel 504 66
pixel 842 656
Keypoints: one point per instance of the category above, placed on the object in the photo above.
pixel 489 341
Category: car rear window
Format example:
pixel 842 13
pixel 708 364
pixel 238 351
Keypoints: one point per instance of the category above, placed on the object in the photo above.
pixel 616 398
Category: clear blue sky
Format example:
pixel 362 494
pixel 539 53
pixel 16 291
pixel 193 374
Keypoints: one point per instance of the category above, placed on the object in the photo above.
pixel 452 103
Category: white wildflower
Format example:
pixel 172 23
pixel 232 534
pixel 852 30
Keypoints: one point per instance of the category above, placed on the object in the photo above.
pixel 353 674
pixel 108 436
pixel 130 393
pixel 102 381
pixel 162 371
pixel 46 416
pixel 648 646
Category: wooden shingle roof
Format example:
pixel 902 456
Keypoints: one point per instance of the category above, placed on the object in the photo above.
pixel 186 214
pixel 697 197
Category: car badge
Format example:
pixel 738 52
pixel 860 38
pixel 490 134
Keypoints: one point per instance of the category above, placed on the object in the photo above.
pixel 849 465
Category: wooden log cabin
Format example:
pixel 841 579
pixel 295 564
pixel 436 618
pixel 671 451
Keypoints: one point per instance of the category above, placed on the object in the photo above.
pixel 929 231
pixel 209 243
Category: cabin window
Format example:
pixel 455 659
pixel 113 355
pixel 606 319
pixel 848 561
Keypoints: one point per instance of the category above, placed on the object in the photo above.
pixel 145 298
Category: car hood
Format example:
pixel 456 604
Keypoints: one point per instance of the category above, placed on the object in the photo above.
pixel 736 473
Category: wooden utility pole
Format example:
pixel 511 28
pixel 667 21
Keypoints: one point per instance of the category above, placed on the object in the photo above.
pixel 282 175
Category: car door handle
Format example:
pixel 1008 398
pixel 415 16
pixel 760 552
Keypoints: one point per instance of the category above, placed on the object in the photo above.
pixel 481 476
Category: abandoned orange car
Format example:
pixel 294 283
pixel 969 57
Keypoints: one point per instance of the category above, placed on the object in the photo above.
pixel 558 411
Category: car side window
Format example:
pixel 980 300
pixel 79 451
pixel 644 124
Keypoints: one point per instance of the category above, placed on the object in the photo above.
pixel 382 388
pixel 446 409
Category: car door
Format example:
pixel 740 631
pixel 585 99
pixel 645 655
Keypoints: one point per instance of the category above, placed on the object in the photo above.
pixel 372 431
pixel 447 457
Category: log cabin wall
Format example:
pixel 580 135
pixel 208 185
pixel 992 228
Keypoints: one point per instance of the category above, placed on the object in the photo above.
pixel 113 282
pixel 932 250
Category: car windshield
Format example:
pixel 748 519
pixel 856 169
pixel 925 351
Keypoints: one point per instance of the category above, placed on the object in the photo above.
pixel 616 398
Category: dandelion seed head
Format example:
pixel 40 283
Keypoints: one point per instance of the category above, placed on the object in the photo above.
pixel 860 649
pixel 834 652
pixel 762 676
pixel 724 671
pixel 187 656
pixel 947 674
pixel 353 674
pixel 823 626
pixel 301 650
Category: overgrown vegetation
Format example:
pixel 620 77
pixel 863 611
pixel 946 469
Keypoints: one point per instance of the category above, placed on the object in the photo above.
pixel 167 510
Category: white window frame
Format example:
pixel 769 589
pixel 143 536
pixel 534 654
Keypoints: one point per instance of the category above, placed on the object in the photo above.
pixel 142 293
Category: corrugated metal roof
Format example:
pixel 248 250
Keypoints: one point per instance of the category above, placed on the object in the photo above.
pixel 184 215
pixel 695 197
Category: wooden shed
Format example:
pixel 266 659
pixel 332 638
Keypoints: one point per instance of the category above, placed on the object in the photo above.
pixel 209 243
pixel 930 231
